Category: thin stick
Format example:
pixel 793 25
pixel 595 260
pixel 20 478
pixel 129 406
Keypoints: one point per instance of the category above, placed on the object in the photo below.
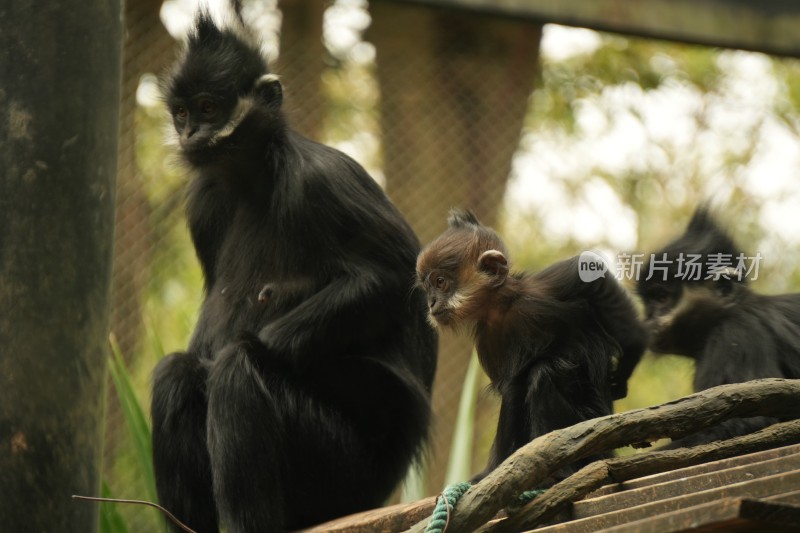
pixel 138 502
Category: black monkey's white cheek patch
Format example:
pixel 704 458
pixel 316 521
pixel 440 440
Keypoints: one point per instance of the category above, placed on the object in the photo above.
pixel 243 106
pixel 266 79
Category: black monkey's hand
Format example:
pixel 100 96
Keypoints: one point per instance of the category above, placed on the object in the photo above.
pixel 619 389
pixel 284 339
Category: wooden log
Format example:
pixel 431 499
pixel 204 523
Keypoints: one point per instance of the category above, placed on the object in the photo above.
pixel 385 520
pixel 532 464
pixel 620 469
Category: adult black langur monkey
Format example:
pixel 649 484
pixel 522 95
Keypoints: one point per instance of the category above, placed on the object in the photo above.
pixel 698 304
pixel 547 341
pixel 304 393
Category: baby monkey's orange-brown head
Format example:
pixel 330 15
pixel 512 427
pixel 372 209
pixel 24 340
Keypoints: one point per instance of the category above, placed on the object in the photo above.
pixel 461 271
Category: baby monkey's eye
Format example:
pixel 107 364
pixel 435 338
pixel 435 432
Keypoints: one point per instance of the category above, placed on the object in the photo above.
pixel 440 283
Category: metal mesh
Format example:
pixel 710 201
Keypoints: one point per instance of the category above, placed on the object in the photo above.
pixel 437 106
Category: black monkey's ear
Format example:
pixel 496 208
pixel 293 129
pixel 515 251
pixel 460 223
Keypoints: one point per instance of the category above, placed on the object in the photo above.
pixel 268 88
pixel 494 263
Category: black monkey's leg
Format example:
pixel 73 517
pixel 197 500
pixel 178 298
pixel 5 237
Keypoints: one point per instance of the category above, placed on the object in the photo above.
pixel 180 457
pixel 289 450
pixel 561 395
pixel 510 425
pixel 245 440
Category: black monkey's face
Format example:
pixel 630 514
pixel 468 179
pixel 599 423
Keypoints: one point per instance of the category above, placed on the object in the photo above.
pixel 200 119
pixel 219 82
pixel 682 309
pixel 681 315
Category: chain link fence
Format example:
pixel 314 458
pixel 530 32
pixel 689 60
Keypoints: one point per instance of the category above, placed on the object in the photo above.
pixel 440 107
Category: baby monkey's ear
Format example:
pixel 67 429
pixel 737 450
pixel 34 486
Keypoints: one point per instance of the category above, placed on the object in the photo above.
pixel 494 263
pixel 268 89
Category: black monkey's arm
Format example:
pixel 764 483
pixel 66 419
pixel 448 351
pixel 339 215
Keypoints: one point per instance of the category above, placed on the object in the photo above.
pixel 349 309
pixel 366 254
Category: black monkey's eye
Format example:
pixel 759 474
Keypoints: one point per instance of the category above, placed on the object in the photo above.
pixel 660 296
pixel 440 283
pixel 207 107
pixel 180 112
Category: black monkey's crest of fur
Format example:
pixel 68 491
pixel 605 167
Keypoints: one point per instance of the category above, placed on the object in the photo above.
pixel 703 237
pixel 708 235
pixel 227 59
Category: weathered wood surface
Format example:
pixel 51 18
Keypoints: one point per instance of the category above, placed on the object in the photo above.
pixel 723 516
pixel 653 511
pixel 559 497
pixel 385 520
pixel 532 464
pixel 740 457
pixel 680 487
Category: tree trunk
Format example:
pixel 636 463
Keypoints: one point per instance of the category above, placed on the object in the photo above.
pixel 59 102
pixel 301 64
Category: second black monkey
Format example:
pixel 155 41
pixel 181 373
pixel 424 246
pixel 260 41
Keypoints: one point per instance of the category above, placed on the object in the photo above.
pixel 546 340
pixel 698 304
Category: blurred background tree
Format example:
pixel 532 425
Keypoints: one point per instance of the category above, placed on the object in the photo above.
pixel 563 139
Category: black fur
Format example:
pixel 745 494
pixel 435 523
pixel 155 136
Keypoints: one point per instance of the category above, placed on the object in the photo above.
pixel 732 333
pixel 304 393
pixel 546 340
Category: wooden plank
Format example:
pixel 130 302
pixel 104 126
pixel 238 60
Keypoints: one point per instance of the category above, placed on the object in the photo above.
pixel 791 498
pixel 384 520
pixel 728 515
pixel 769 26
pixel 686 484
pixel 759 488
pixel 703 468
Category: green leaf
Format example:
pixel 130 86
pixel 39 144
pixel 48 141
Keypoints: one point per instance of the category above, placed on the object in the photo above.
pixel 135 418
pixel 460 464
pixel 111 521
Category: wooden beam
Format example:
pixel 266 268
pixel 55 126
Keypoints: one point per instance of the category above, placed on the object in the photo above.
pixel 769 26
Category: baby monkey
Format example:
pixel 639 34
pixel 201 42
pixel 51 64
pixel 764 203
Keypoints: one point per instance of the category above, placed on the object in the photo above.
pixel 547 341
